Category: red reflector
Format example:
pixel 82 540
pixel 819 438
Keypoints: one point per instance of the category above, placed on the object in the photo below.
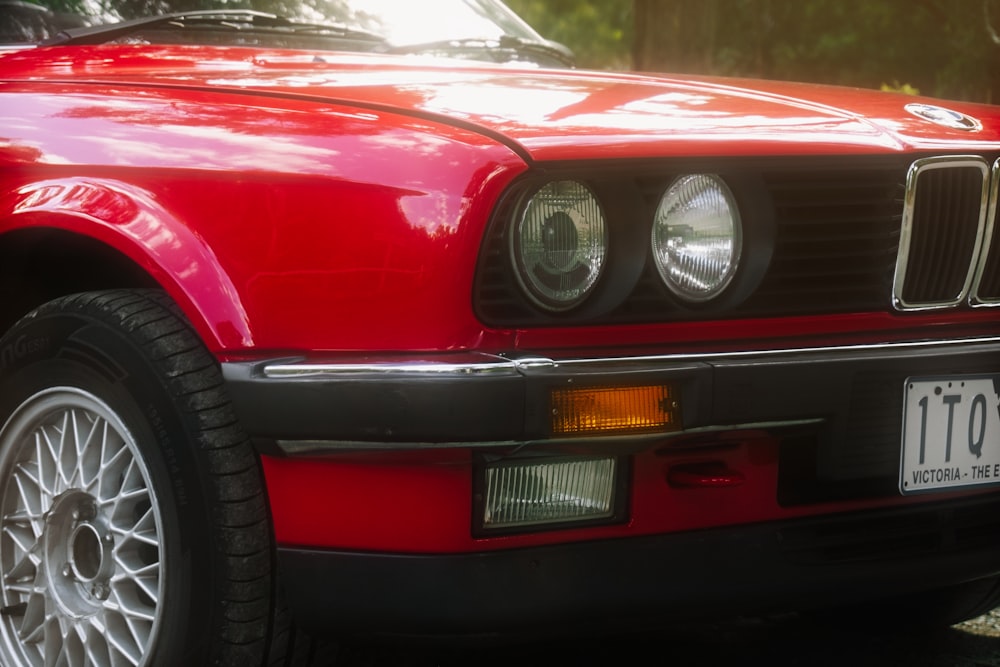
pixel 703 475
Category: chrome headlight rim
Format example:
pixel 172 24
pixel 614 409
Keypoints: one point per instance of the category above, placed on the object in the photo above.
pixel 672 277
pixel 526 262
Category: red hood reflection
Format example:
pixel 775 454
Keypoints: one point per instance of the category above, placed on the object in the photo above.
pixel 551 115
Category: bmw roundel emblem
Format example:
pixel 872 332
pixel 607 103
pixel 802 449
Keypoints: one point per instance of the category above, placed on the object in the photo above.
pixel 946 117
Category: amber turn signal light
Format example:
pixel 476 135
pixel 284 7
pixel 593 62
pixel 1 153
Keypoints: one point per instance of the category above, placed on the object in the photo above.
pixel 615 410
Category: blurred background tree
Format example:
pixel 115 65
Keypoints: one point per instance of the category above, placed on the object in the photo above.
pixel 942 48
pixel 600 32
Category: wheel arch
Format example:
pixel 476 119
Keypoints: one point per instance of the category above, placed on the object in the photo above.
pixel 69 235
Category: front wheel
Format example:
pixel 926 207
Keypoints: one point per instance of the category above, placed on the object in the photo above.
pixel 133 522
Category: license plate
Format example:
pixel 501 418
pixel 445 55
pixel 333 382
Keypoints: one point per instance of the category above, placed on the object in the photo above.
pixel 951 433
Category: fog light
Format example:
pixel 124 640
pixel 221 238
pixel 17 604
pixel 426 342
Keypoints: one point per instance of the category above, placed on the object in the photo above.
pixel 615 410
pixel 528 493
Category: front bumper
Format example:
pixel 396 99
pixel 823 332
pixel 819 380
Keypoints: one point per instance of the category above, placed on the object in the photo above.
pixel 300 408
pixel 390 546
pixel 712 574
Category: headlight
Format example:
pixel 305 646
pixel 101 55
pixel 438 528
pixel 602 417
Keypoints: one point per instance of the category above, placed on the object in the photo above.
pixel 559 245
pixel 697 237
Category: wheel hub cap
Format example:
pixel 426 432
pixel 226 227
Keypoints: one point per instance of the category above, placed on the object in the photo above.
pixel 79 559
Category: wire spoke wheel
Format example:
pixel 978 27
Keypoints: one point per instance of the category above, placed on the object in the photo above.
pixel 134 529
pixel 81 540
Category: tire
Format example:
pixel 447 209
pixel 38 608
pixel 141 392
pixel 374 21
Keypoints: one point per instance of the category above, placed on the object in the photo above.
pixel 134 527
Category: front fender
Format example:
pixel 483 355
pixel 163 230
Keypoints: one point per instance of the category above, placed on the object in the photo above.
pixel 280 225
pixel 131 221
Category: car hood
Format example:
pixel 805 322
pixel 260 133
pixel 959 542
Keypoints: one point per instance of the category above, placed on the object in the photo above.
pixel 547 115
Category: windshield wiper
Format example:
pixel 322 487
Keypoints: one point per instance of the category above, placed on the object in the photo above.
pixel 246 20
pixel 506 44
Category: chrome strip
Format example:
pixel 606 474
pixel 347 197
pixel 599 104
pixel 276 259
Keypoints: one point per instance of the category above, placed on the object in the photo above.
pixel 286 370
pixel 991 223
pixel 314 447
pixel 501 366
pixel 509 367
pixel 722 356
pixel 906 232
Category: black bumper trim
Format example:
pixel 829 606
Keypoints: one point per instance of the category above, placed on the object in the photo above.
pixel 402 408
pixel 718 573
pixel 376 407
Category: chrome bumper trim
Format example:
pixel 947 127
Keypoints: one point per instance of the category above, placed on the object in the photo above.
pixel 501 366
pixel 498 366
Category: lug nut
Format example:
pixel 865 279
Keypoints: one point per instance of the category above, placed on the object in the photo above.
pixel 101 591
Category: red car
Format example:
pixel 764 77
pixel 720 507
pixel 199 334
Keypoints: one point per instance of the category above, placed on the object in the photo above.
pixel 396 328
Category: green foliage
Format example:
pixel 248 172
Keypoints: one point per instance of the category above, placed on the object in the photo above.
pixel 599 33
pixel 941 47
pixel 897 87
pixel 944 48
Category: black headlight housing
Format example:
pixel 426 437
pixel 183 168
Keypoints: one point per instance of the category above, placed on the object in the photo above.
pixel 569 247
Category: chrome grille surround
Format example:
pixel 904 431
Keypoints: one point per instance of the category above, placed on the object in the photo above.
pixel 986 284
pixel 944 222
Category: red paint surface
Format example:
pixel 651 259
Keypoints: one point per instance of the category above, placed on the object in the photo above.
pixel 421 503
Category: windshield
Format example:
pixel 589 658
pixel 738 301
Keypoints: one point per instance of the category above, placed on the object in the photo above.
pixel 483 29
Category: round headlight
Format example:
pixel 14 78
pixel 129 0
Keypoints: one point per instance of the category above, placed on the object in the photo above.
pixel 559 245
pixel 697 237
